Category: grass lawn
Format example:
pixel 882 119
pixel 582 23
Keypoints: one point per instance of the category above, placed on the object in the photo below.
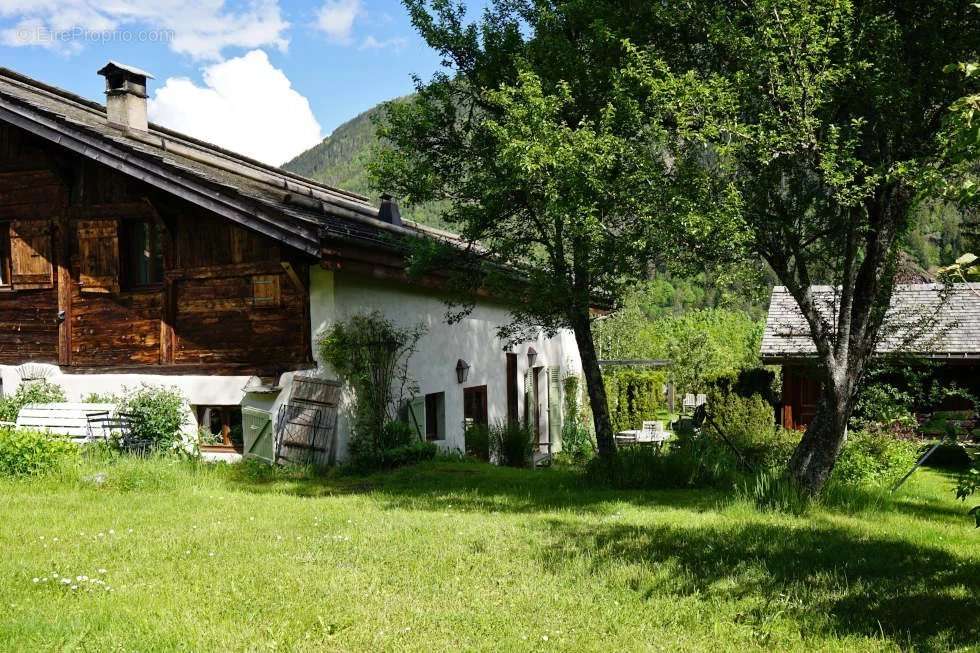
pixel 464 556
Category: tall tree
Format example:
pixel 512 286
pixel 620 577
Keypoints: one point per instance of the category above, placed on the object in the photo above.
pixel 841 108
pixel 548 163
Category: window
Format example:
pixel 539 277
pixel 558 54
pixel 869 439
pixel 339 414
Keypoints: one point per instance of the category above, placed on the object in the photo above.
pixel 4 253
pixel 141 254
pixel 220 426
pixel 435 416
pixel 475 405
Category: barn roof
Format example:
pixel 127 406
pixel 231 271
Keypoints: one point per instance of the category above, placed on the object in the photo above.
pixel 287 207
pixel 924 321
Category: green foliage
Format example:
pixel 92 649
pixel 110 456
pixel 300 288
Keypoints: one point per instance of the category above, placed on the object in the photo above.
pixel 25 452
pixel 635 395
pixel 695 461
pixel 40 391
pixel 950 455
pixel 341 159
pixel 477 441
pixel 702 344
pixel 159 415
pixel 874 460
pixel 370 354
pixel 749 423
pixel 772 491
pixel 398 445
pixel 967 486
pixel 577 443
pixel 512 442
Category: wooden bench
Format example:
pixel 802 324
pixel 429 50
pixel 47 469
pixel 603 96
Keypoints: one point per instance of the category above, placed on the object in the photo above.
pixel 71 419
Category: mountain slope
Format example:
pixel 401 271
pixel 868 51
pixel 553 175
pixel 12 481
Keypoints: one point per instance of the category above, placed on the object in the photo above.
pixel 340 159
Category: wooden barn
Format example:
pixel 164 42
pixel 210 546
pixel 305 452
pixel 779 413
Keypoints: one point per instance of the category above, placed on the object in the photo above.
pixel 926 322
pixel 130 253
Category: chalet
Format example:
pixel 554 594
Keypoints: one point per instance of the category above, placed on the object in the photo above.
pixel 925 322
pixel 130 253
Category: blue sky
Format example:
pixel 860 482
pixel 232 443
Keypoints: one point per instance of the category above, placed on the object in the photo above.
pixel 265 77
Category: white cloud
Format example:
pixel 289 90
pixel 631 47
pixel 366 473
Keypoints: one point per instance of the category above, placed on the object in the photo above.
pixel 246 105
pixel 371 43
pixel 199 28
pixel 336 19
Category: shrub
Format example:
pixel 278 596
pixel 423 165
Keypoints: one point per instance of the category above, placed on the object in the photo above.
pixel 950 455
pixel 513 443
pixel 397 433
pixel 874 460
pixel 41 391
pixel 25 452
pixel 749 423
pixel 477 441
pixel 408 454
pixel 694 461
pixel 159 415
pixel 577 443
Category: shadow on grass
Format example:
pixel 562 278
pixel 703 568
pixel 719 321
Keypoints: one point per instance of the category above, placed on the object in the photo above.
pixel 827 579
pixel 472 487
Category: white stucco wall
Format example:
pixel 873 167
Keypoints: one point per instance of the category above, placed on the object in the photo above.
pixel 337 296
pixel 199 390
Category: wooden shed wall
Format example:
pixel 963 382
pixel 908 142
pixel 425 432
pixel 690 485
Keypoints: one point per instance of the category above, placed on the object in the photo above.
pixel 204 316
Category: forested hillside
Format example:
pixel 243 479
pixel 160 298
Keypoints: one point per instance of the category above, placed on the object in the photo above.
pixel 340 160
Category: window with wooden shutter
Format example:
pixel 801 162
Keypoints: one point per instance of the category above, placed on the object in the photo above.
pixel 98 255
pixel 265 291
pixel 30 254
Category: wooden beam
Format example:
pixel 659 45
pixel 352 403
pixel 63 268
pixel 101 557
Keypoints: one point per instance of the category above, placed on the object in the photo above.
pixel 62 253
pixel 291 273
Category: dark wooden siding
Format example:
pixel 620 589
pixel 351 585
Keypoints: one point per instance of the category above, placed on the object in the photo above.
pixel 29 190
pixel 203 318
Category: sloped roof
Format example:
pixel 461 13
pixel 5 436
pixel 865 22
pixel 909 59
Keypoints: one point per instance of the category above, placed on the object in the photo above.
pixel 924 320
pixel 288 207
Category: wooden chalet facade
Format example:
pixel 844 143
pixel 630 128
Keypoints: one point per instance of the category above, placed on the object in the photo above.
pixel 101 272
pixel 926 322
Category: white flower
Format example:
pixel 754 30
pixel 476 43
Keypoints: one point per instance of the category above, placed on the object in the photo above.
pixel 74 587
pixel 37 580
pixel 102 571
pixel 66 581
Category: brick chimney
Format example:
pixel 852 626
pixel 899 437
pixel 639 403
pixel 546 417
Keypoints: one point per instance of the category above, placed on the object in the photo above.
pixel 125 90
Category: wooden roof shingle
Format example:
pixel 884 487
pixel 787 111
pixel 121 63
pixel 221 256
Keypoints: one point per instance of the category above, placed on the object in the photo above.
pixel 923 321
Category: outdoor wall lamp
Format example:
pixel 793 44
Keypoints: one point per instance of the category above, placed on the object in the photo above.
pixel 531 355
pixel 462 370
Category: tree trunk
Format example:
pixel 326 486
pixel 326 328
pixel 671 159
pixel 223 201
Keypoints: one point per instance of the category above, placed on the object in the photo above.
pixel 815 456
pixel 582 327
